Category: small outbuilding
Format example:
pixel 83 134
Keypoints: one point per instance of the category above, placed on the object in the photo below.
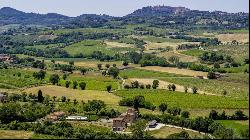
pixel 152 124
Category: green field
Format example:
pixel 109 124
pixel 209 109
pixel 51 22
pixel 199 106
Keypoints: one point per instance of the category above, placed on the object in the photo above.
pixel 139 73
pixel 193 52
pixel 234 86
pixel 237 126
pixel 186 101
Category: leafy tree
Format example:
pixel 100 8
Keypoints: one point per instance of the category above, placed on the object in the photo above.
pixel 194 89
pixel 142 87
pixel 138 102
pixel 135 84
pixel 173 87
pixel 114 65
pixel 213 115
pixel 63 99
pixel 224 92
pixel 40 96
pixel 82 85
pixel 216 65
pixel 71 63
pixel 138 129
pixel 169 87
pixel 67 84
pixel 186 89
pixel 163 107
pixel 113 71
pixel 99 66
pixel 39 75
pixel 65 76
pixel 54 79
pixel 107 66
pixel 75 101
pixel 94 105
pixel 125 63
pixel 185 114
pixel 148 86
pixel 174 111
pixel 83 71
pixel 75 84
pixel 155 84
pixel 109 87
pixel 211 75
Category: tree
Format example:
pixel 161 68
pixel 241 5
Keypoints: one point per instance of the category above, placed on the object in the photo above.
pixel 109 87
pixel 63 99
pixel 142 87
pixel 174 111
pixel 107 66
pixel 40 96
pixel 186 89
pixel 82 85
pixel 54 79
pixel 211 75
pixel 114 65
pixel 53 61
pixel 94 105
pixel 148 86
pixel 214 115
pixel 138 102
pixel 185 114
pixel 75 101
pixel 99 66
pixel 224 92
pixel 113 71
pixel 194 89
pixel 216 65
pixel 65 76
pixel 173 87
pixel 71 63
pixel 163 107
pixel 155 84
pixel 39 75
pixel 83 71
pixel 138 129
pixel 169 87
pixel 125 63
pixel 135 84
pixel 67 83
pixel 75 84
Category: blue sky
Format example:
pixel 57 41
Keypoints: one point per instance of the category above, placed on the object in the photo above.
pixel 119 7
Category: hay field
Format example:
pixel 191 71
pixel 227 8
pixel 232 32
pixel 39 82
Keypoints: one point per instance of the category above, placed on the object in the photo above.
pixel 84 95
pixel 243 38
pixel 175 70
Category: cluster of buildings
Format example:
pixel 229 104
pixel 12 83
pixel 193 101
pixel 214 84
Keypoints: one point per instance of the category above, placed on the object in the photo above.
pixel 125 120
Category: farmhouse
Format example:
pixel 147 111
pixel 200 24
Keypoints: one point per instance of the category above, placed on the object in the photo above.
pixel 3 98
pixel 124 120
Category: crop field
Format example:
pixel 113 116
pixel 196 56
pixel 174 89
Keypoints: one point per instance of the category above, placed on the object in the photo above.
pixel 175 71
pixel 239 53
pixel 182 57
pixel 93 81
pixel 79 95
pixel 237 126
pixel 9 78
pixel 161 40
pixel 91 30
pixel 234 89
pixel 143 73
pixel 11 134
pixel 43 47
pixel 193 52
pixel 240 37
pixel 186 100
pixel 166 131
pixel 87 47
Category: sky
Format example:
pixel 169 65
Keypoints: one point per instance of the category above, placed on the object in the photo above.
pixel 119 7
